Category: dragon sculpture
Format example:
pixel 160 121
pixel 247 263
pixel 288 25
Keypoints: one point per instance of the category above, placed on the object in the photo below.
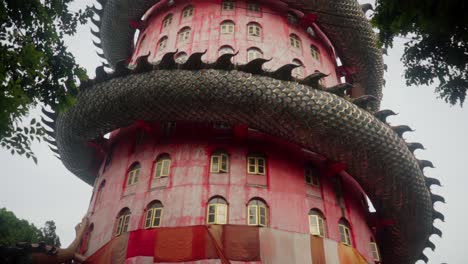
pixel 322 119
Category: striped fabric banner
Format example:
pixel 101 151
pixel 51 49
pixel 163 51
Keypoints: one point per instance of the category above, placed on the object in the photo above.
pixel 228 243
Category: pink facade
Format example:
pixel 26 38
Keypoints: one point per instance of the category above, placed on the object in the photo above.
pixel 196 26
pixel 206 33
pixel 185 193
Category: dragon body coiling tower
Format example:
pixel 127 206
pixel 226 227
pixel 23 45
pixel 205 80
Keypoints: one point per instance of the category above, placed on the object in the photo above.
pixel 236 135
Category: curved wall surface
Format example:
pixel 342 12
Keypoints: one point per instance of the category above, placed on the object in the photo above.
pixel 185 192
pixel 206 33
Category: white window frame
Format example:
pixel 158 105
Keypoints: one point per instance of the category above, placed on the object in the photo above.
pixel 162 167
pixel 217 162
pixel 254 161
pixel 375 251
pixel 162 43
pixel 314 51
pixel 258 215
pixel 253 54
pixel 295 41
pixel 216 220
pixel 151 217
pixel 227 28
pixel 132 178
pixel 345 233
pixel 122 224
pixel 317 225
pixel 254 30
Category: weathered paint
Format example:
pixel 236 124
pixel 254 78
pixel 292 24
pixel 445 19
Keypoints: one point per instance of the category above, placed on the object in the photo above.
pixel 205 35
pixel 190 185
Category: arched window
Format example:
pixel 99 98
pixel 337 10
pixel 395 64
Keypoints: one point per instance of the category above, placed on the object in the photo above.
pixel 162 44
pixel 167 21
pixel 219 162
pixel 154 212
pixel 295 41
pixel 254 29
pixel 345 232
pixel 181 57
pixel 133 172
pixel 315 52
pixel 226 50
pixel 254 53
pixel 123 219
pixel 162 166
pixel 187 12
pixel 256 164
pixel 312 175
pixel 257 213
pixel 227 27
pixel 228 5
pixel 184 34
pixel 299 71
pixel 253 7
pixel 316 223
pixel 217 211
pixel 375 250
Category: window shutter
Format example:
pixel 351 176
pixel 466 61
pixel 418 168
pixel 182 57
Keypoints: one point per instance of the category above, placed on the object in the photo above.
pixel 221 214
pixel 149 217
pixel 211 213
pixel 321 226
pixel 342 234
pixel 224 163
pixel 314 225
pixel 215 163
pixel 252 214
pixel 157 217
pixel 119 226
pixel 165 169
pixel 251 165
pixel 125 223
pixel 263 216
pixel 158 169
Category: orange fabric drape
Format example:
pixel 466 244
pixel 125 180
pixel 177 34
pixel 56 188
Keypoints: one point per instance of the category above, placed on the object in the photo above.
pixel 317 250
pixel 349 255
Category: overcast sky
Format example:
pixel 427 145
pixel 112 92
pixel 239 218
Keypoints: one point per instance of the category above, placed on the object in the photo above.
pixel 50 192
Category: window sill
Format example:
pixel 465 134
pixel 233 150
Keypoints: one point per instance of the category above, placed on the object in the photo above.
pixel 257 186
pixel 158 188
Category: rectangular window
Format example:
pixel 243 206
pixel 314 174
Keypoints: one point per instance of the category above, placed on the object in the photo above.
pixel 156 217
pixel 253 7
pixel 133 177
pixel 126 221
pixel 314 225
pixel 256 165
pixel 252 214
pixel 375 251
pixel 311 176
pixel 118 229
pixel 228 5
pixel 162 168
pixel 149 217
pixel 212 214
pixel 345 235
pixel 221 214
pixel 219 163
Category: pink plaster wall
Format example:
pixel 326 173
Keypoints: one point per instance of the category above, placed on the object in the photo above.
pixel 205 35
pixel 186 191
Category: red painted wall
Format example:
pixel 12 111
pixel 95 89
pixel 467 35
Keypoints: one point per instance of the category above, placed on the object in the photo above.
pixel 205 35
pixel 186 191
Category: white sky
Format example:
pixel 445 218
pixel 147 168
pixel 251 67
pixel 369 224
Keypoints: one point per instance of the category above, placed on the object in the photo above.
pixel 50 192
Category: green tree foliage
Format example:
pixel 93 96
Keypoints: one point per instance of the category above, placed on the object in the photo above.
pixel 14 230
pixel 438 49
pixel 48 234
pixel 35 66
